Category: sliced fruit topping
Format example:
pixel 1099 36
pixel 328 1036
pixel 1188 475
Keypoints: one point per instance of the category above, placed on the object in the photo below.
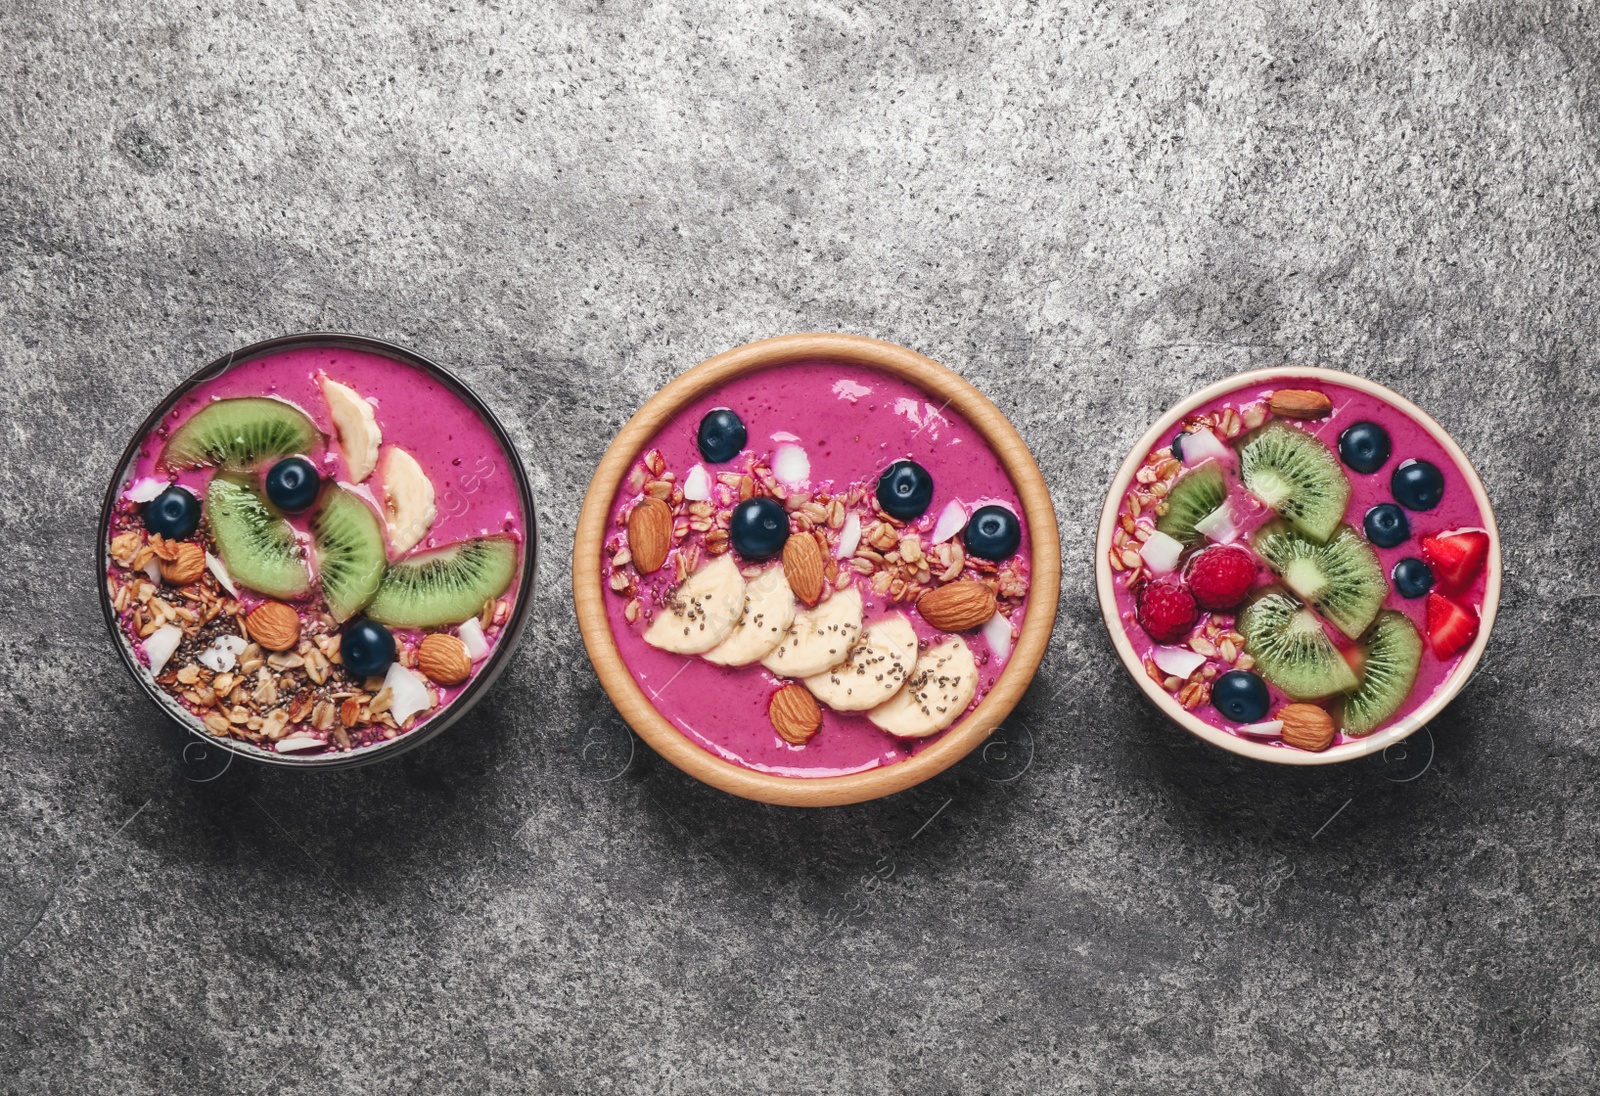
pixel 357 426
pixel 759 527
pixel 818 640
pixel 876 668
pixel 1342 579
pixel 1451 627
pixel 1241 696
pixel 1412 577
pixel 768 611
pixel 240 434
pixel 1161 553
pixel 347 540
pixel 1417 485
pixel 293 484
pixel 407 500
pixel 1294 473
pixel 703 612
pixel 1291 649
pixel 1386 525
pixel 1197 494
pixel 1456 558
pixel 722 436
pixel 256 545
pixel 1220 577
pixel 993 533
pixel 1306 727
pixel 905 489
pixel 1364 447
pixel 1392 651
pixel 174 514
pixel 366 649
pixel 448 585
pixel 939 688
pixel 1166 611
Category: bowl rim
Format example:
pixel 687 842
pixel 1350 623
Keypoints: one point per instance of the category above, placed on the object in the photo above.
pixel 498 658
pixel 955 743
pixel 1349 751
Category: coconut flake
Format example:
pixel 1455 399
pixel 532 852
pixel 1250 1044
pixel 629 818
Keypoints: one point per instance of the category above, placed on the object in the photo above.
pixel 470 633
pixel 145 490
pixel 849 536
pixel 997 634
pixel 299 741
pixel 159 646
pixel 1272 728
pixel 223 653
pixel 152 568
pixel 1218 525
pixel 697 484
pixel 791 465
pixel 411 694
pixel 225 579
pixel 952 519
pixel 1180 662
pixel 1202 445
pixel 1160 553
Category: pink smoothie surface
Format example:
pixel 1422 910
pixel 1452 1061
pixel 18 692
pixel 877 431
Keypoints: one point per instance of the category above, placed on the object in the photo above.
pixel 1457 510
pixel 852 422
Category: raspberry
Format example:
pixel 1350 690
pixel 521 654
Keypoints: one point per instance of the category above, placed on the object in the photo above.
pixel 1220 577
pixel 1166 610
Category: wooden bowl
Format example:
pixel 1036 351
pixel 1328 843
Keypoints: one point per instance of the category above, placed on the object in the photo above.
pixel 1348 751
pixel 588 584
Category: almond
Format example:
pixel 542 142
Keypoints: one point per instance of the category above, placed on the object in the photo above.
pixel 957 606
pixel 803 566
pixel 649 534
pixel 1300 403
pixel 1306 726
pixel 187 564
pixel 444 659
pixel 274 625
pixel 794 714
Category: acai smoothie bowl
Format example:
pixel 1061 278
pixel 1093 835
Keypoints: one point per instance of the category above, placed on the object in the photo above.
pixel 1298 565
pixel 816 570
pixel 318 551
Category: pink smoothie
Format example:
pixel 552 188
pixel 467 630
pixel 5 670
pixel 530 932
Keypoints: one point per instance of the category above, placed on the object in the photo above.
pixel 1457 510
pixel 852 423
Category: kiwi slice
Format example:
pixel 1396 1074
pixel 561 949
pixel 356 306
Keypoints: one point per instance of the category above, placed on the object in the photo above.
pixel 256 545
pixel 1291 649
pixel 1342 579
pixel 446 586
pixel 1196 494
pixel 1297 476
pixel 348 541
pixel 240 434
pixel 1393 652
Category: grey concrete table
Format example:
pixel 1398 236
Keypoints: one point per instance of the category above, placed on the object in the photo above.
pixel 1087 209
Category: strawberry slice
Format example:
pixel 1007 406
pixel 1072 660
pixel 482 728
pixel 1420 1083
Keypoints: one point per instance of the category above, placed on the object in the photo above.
pixel 1456 558
pixel 1451 627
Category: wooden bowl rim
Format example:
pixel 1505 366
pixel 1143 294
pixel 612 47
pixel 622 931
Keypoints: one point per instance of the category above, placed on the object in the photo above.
pixel 1169 707
pixel 938 381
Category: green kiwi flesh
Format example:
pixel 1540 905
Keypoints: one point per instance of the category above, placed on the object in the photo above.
pixel 1196 494
pixel 1342 579
pixel 240 434
pixel 257 546
pixel 1297 476
pixel 1393 653
pixel 445 586
pixel 347 538
pixel 1291 650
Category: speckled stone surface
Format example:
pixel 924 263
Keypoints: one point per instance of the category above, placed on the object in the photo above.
pixel 1087 209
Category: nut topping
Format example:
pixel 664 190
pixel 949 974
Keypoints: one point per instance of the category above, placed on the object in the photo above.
pixel 794 714
pixel 650 534
pixel 1300 403
pixel 958 606
pixel 444 659
pixel 274 625
pixel 187 564
pixel 1306 726
pixel 803 567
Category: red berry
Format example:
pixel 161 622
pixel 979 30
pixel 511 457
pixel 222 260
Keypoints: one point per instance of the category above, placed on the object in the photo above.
pixel 1167 611
pixel 1451 627
pixel 1220 577
pixel 1456 558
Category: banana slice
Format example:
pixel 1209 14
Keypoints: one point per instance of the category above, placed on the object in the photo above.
pixel 941 685
pixel 407 500
pixel 819 640
pixel 703 611
pixel 768 612
pixel 356 425
pixel 877 667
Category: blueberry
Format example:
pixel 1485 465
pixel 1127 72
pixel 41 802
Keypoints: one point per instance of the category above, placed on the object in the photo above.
pixel 993 532
pixel 1241 696
pixel 1417 485
pixel 1364 447
pixel 722 436
pixel 367 648
pixel 1387 525
pixel 174 514
pixel 292 484
pixel 759 528
pixel 905 489
pixel 1412 577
